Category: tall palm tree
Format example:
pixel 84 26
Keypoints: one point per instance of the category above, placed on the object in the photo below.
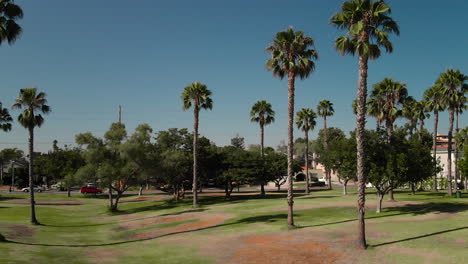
pixel 292 54
pixel 391 95
pixel 324 109
pixel 33 102
pixel 408 113
pixel 453 82
pixel 434 99
pixel 9 13
pixel 305 120
pixel 263 114
pixel 198 95
pixel 5 119
pixel 368 25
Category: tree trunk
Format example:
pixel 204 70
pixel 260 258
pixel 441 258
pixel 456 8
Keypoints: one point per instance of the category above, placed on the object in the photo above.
pixel 379 202
pixel 434 150
pixel 456 152
pixel 390 195
pixel 111 198
pixel 361 122
pixel 140 191
pixel 12 184
pixel 116 203
pixel 291 79
pixel 307 161
pixel 345 185
pixel 68 192
pixel 389 125
pixel 195 154
pixel 421 127
pixel 325 146
pixel 449 150
pixel 262 181
pixel 31 179
pixel 1 172
pixel 412 188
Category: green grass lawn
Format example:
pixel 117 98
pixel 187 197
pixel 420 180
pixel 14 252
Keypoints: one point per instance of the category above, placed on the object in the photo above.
pixel 422 228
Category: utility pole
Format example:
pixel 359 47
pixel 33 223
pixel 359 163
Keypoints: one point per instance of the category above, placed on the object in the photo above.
pixel 120 114
pixel 12 175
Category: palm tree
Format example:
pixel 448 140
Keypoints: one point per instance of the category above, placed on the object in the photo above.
pixel 374 109
pixel 32 102
pixel 262 114
pixel 368 25
pixel 434 99
pixel 198 95
pixel 390 94
pixel 292 54
pixel 9 13
pixel 305 120
pixel 5 119
pixel 452 81
pixel 324 109
pixel 408 113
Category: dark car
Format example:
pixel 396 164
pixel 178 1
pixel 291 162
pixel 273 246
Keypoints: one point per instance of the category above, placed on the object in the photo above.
pixel 90 189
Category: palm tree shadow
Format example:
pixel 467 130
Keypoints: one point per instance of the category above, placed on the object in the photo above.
pixel 421 236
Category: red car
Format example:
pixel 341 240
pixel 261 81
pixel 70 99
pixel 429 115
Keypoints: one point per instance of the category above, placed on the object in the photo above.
pixel 90 189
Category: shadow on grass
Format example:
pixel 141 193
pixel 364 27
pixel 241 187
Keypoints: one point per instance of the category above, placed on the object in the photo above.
pixel 6 198
pixel 421 236
pixel 419 209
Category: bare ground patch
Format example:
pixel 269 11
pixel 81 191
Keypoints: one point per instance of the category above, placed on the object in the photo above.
pixel 19 231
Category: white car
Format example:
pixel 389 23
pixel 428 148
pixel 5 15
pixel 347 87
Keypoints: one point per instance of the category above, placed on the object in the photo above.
pixel 36 189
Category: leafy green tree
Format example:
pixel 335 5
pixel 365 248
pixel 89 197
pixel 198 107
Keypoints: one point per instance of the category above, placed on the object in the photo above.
pixel 408 110
pixel 324 109
pixel 421 113
pixel 263 114
pixel 198 95
pixel 8 155
pixel 292 55
pixel 328 156
pixel 32 102
pixel 454 84
pixel 434 98
pixel 461 141
pixel 238 142
pixel 305 120
pixel 344 150
pixel 368 26
pixel 5 119
pixel 460 105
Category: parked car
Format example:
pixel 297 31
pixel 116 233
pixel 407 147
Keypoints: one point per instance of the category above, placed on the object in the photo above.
pixel 90 189
pixel 58 186
pixel 36 189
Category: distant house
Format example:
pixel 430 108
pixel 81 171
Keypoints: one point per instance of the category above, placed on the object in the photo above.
pixel 442 154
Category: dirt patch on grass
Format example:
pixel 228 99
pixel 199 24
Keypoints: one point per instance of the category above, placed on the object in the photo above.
pixel 47 202
pixel 103 255
pixel 283 249
pixel 208 220
pixel 18 231
pixel 155 221
pixel 147 198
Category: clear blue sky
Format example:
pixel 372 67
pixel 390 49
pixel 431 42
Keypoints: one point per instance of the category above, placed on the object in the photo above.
pixel 90 56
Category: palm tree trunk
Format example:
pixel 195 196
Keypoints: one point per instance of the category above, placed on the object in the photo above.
pixel 421 127
pixel 31 179
pixel 291 79
pixel 456 152
pixel 195 154
pixel 389 125
pixel 361 122
pixel 307 161
pixel 262 181
pixel 449 150
pixel 434 150
pixel 325 146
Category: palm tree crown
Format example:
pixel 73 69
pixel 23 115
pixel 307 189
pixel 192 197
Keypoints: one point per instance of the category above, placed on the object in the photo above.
pixel 390 94
pixel 262 113
pixel 5 119
pixel 290 54
pixel 368 24
pixel 325 108
pixel 434 97
pixel 454 85
pixel 9 12
pixel 305 119
pixel 198 95
pixel 31 101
